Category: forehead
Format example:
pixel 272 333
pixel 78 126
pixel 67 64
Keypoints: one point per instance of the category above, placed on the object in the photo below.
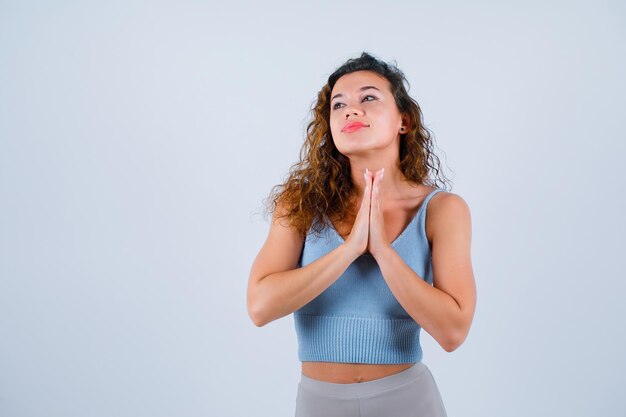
pixel 353 81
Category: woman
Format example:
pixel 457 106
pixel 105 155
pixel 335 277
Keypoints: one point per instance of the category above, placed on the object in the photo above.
pixel 380 266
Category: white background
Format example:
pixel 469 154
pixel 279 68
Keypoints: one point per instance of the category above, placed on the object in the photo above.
pixel 139 139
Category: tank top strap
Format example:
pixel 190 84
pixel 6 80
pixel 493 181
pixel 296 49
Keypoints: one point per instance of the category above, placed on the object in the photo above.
pixel 430 195
pixel 422 214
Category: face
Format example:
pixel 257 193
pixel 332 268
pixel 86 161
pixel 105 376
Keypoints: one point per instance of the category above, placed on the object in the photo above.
pixel 363 97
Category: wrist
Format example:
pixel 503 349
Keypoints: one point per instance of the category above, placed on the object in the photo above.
pixel 383 253
pixel 350 251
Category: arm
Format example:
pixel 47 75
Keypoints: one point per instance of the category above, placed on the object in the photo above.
pixel 446 309
pixel 276 287
pixel 281 293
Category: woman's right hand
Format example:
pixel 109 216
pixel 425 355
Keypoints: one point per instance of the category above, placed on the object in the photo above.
pixel 359 234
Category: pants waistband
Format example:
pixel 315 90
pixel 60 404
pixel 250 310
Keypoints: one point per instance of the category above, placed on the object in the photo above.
pixel 363 388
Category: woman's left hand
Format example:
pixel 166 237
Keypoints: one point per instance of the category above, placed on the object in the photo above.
pixel 377 241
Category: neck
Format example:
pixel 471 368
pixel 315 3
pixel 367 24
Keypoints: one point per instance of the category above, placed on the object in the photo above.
pixel 393 184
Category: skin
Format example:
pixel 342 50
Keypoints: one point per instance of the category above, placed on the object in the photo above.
pixel 384 203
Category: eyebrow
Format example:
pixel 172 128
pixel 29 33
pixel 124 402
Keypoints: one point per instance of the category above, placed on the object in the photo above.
pixel 360 89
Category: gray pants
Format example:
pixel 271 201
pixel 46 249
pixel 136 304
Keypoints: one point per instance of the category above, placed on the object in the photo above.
pixel 410 393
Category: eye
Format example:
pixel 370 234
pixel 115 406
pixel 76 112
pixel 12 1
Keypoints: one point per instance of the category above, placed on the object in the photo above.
pixel 364 97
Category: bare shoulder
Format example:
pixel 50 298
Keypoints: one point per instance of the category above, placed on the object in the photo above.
pixel 446 210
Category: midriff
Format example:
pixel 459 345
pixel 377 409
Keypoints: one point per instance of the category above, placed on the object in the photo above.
pixel 348 373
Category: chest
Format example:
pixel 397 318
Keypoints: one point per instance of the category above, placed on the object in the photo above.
pixel 396 220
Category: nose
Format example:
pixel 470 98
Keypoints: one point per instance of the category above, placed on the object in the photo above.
pixel 354 111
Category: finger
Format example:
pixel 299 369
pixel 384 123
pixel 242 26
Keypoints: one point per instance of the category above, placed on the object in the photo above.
pixel 375 197
pixel 379 177
pixel 379 174
pixel 367 193
pixel 366 190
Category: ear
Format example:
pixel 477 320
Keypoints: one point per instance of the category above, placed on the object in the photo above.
pixel 404 126
pixel 406 123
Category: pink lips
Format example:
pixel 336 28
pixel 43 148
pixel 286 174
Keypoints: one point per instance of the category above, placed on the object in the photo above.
pixel 353 126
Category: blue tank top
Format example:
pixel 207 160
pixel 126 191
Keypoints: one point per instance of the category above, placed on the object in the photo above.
pixel 357 319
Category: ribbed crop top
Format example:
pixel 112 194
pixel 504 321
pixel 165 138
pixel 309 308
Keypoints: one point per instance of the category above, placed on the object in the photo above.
pixel 357 319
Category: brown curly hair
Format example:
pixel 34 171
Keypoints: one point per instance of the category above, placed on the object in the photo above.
pixel 320 183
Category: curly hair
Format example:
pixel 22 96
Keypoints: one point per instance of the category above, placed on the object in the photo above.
pixel 319 186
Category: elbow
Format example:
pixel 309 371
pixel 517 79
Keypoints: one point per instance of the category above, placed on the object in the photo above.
pixel 253 311
pixel 256 316
pixel 456 335
pixel 450 347
pixel 255 319
pixel 261 308
pixel 257 322
pixel 453 342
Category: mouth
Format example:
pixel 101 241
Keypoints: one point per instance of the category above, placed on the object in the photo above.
pixel 353 127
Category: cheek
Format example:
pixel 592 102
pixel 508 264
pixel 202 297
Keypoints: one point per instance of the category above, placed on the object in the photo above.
pixel 334 125
pixel 390 120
